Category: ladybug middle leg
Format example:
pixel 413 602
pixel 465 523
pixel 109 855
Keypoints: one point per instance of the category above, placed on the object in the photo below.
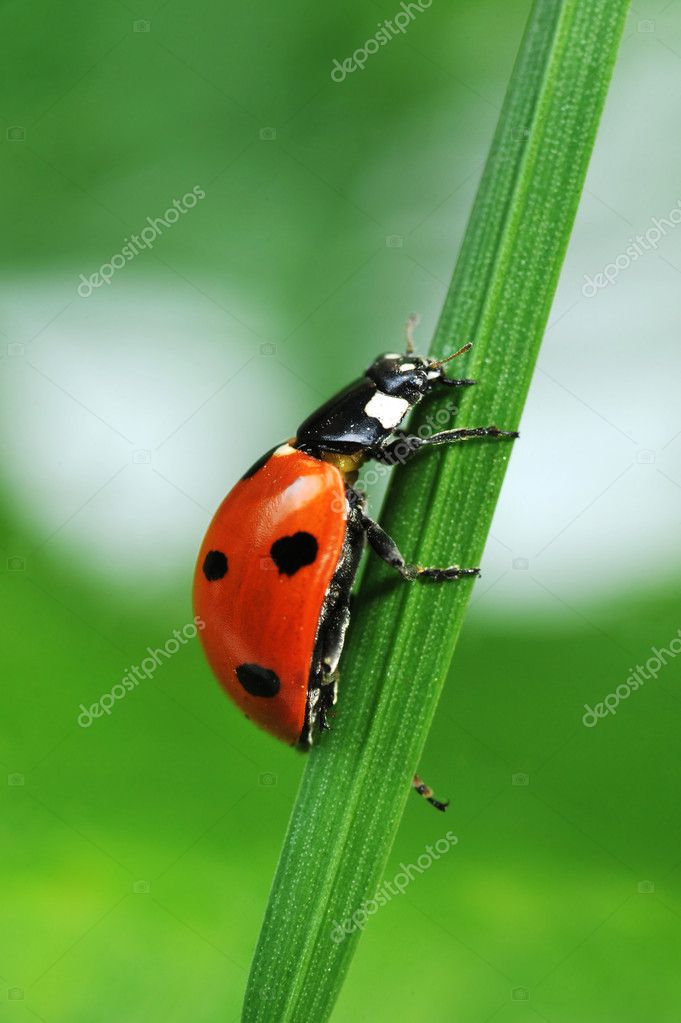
pixel 387 549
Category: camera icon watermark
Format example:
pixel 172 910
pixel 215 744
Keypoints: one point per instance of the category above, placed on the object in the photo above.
pixel 394 241
pixel 645 887
pixel 267 779
pixel 267 348
pixel 15 778
pixel 645 457
pixel 16 133
pixel 15 563
pixel 141 25
pixel 15 349
pixel 141 887
pixel 520 779
pixel 646 26
pixel 15 994
pixel 520 564
pixel 520 994
pixel 141 457
pixel 268 134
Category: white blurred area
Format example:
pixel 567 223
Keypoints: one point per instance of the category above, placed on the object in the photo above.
pixel 127 415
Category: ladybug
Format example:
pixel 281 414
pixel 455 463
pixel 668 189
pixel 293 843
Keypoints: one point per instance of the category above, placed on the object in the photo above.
pixel 276 567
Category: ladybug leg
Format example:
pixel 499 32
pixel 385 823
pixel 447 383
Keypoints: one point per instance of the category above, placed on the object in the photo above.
pixel 334 636
pixel 452 382
pixel 328 693
pixel 404 446
pixel 424 790
pixel 323 683
pixel 462 433
pixel 321 698
pixel 332 639
pixel 387 549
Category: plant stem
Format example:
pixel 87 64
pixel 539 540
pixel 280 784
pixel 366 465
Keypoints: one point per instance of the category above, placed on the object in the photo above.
pixel 439 508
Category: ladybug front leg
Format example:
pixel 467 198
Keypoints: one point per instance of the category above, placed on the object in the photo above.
pixel 404 446
pixel 387 549
pixel 454 382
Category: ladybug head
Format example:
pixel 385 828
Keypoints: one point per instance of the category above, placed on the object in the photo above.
pixel 408 376
pixel 403 376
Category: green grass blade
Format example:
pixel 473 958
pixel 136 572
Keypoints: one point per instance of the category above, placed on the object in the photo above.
pixel 439 508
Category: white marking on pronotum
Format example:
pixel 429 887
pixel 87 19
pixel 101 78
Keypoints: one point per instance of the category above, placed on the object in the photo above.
pixel 388 409
pixel 406 366
pixel 283 449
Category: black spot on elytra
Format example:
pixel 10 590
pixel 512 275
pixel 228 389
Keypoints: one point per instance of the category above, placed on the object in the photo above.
pixel 258 681
pixel 259 464
pixel 293 552
pixel 215 565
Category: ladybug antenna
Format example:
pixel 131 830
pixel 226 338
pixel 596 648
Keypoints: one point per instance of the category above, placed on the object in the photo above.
pixel 409 328
pixel 424 790
pixel 466 348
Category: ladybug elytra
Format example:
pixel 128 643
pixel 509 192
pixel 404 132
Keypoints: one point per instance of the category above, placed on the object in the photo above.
pixel 276 567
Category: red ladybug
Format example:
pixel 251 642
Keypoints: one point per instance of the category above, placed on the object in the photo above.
pixel 276 567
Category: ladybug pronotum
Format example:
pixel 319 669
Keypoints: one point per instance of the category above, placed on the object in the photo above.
pixel 276 567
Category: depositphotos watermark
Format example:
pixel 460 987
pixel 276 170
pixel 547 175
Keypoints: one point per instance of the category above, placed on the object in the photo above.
pixel 637 247
pixel 389 889
pixel 387 31
pixel 136 243
pixel 638 676
pixel 136 673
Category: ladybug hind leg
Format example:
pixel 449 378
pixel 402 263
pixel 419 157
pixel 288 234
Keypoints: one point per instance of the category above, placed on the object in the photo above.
pixel 420 787
pixel 323 684
pixel 334 621
pixel 332 636
pixel 328 693
pixel 334 630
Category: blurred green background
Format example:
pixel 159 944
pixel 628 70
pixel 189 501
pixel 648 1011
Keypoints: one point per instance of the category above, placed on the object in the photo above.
pixel 138 852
